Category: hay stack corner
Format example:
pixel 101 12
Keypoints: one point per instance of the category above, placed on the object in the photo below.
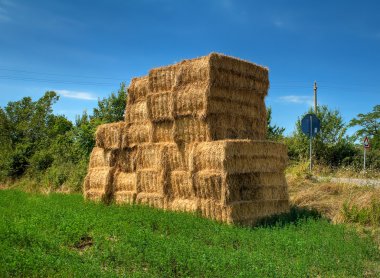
pixel 193 139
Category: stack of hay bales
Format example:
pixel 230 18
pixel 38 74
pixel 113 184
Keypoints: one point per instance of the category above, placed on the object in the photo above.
pixel 193 139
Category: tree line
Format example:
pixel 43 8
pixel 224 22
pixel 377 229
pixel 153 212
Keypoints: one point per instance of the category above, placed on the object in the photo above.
pixel 47 150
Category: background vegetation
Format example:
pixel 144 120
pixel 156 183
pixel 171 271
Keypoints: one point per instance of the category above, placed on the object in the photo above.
pixel 44 151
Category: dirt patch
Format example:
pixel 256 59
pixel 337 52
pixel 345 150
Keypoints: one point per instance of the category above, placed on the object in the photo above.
pixel 84 243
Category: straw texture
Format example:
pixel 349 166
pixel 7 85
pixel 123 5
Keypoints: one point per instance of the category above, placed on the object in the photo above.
pixel 193 140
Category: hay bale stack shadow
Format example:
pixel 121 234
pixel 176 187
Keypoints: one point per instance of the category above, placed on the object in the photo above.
pixel 295 215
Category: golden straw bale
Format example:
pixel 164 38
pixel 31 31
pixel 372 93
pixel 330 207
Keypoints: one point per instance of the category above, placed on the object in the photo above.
pixel 191 142
pixel 125 187
pixel 248 213
pixel 208 184
pixel 222 106
pixel 160 106
pixel 163 131
pixel 162 79
pixel 241 156
pixel 192 71
pixel 152 199
pixel 128 159
pixel 150 181
pixel 184 205
pixel 109 136
pixel 213 210
pixel 249 97
pixel 232 73
pixel 138 89
pixel 125 181
pixel 181 185
pixel 254 186
pixel 125 197
pixel 178 156
pixel 100 180
pixel 94 195
pixel 229 126
pixel 190 100
pixel 150 156
pixel 136 113
pixel 139 133
pixel 188 129
pixel 103 158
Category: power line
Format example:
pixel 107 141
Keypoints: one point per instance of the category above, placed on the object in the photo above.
pixel 58 74
pixel 4 77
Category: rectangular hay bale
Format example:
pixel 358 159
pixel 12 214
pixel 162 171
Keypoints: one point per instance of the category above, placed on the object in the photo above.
pixel 125 197
pixel 254 186
pixel 103 158
pixel 150 156
pixel 163 131
pixel 127 161
pixel 110 136
pixel 99 183
pixel 193 71
pixel 139 133
pixel 209 185
pixel 232 73
pixel 189 129
pixel 241 156
pixel 138 89
pixel 136 113
pixel 150 181
pixel 190 100
pixel 184 205
pixel 162 79
pixel 178 156
pixel 181 185
pixel 152 199
pixel 125 181
pixel 160 106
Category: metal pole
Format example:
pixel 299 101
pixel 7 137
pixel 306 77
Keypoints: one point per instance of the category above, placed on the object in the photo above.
pixel 315 97
pixel 364 157
pixel 311 130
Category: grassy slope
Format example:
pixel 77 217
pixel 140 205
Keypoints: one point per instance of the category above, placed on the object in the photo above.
pixel 61 235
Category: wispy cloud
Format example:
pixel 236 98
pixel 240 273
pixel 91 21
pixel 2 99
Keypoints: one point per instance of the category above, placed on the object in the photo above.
pixel 278 23
pixel 4 10
pixel 308 100
pixel 77 95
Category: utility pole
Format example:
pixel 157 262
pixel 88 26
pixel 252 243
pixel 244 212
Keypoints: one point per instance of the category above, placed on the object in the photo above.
pixel 315 97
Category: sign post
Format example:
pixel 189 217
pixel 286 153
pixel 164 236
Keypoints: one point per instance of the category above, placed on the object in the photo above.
pixel 366 146
pixel 310 125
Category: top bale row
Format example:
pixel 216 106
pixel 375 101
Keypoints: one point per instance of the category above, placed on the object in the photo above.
pixel 214 70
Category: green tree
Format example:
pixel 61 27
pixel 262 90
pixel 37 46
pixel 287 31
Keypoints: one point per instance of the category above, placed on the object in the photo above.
pixel 274 132
pixel 111 109
pixel 369 126
pixel 25 129
pixel 331 146
pixel 49 148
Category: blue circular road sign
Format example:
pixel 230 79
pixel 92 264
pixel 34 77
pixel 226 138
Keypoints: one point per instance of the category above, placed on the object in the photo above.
pixel 310 125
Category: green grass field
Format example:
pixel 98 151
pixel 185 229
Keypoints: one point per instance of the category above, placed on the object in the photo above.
pixel 62 235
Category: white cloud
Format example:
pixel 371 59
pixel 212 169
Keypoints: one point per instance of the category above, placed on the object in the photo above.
pixel 296 99
pixel 5 5
pixel 278 23
pixel 77 95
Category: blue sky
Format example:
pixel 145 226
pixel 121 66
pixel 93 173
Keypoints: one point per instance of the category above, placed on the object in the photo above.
pixel 85 49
